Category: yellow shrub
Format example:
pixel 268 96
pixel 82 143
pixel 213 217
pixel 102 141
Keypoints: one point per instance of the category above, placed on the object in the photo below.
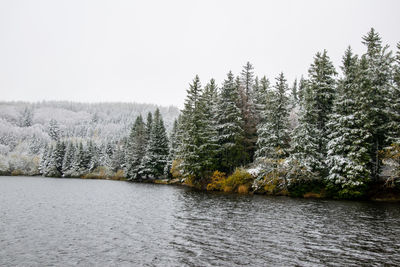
pixel 217 181
pixel 238 178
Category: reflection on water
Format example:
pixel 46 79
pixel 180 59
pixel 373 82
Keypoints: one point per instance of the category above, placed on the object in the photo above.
pixel 92 222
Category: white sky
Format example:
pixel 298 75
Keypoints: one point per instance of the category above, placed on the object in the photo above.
pixel 148 51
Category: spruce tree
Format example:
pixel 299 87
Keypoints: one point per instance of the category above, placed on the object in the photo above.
pixel 394 109
pixel 348 156
pixel 54 130
pixel 68 159
pixel 189 151
pixel 310 137
pixel 376 74
pixel 301 88
pixel 273 132
pixel 58 156
pixel 136 149
pixel 208 133
pixel 92 156
pixel 245 88
pixel 260 97
pixel 26 118
pixel 157 149
pixel 79 164
pixel 294 95
pixel 149 124
pixel 50 169
pixel 118 159
pixel 173 147
pixel 229 125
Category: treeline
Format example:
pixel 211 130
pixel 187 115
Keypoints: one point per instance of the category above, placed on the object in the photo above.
pixel 143 154
pixel 27 128
pixel 345 137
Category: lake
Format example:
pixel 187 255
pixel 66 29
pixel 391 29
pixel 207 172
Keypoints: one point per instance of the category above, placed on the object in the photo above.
pixel 63 222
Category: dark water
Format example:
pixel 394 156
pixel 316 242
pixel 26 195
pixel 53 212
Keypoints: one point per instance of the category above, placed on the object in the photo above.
pixel 66 222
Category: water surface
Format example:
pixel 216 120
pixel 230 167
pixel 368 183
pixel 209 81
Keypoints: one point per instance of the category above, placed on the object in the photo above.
pixel 46 221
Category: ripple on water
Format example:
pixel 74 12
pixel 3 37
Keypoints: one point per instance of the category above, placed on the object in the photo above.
pixel 92 222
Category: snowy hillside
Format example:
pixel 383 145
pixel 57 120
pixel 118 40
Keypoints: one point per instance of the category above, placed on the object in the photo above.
pixel 25 128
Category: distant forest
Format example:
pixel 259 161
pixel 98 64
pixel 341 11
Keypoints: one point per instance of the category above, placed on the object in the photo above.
pixel 335 131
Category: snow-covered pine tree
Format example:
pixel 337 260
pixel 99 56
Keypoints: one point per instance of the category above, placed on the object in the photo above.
pixel 58 156
pixel 50 169
pixel 44 159
pixel 157 149
pixel 348 156
pixel 106 154
pixel 68 159
pixel 92 156
pixel 260 97
pixel 136 149
pixel 149 124
pixel 301 88
pixel 173 147
pixel 207 132
pixel 376 75
pixel 310 138
pixel 79 164
pixel 273 131
pixel 248 111
pixel 229 125
pixel 189 150
pixel 118 158
pixel 26 117
pixel 394 127
pixel 294 96
pixel 54 130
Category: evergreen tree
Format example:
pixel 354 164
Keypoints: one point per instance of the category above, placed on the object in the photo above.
pixel 26 118
pixel 273 132
pixel 376 74
pixel 149 123
pixel 229 126
pixel 54 130
pixel 294 95
pixel 301 89
pixel 50 169
pixel 106 154
pixel 394 109
pixel 68 159
pixel 246 85
pixel 118 159
pixel 310 137
pixel 58 156
pixel 79 164
pixel 260 97
pixel 197 135
pixel 173 147
pixel 92 156
pixel 157 149
pixel 208 133
pixel 43 159
pixel 137 148
pixel 348 157
pixel 189 149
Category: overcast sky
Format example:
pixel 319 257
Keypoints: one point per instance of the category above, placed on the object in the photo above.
pixel 149 51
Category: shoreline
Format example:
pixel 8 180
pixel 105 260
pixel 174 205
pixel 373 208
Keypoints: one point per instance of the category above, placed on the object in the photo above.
pixel 378 193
